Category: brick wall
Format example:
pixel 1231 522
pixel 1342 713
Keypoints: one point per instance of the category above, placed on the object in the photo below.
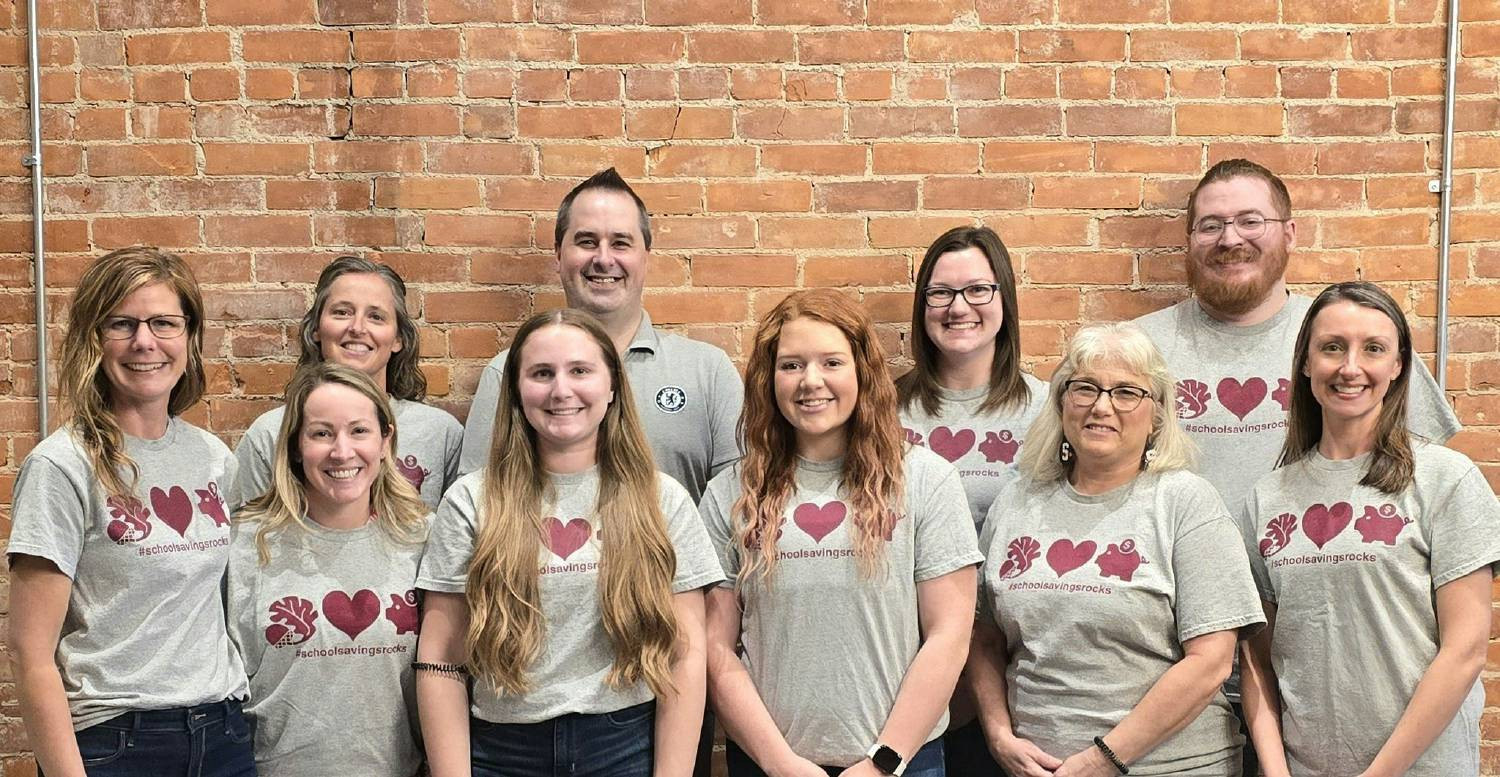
pixel 779 143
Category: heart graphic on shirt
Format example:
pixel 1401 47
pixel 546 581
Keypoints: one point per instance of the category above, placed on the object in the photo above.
pixel 819 521
pixel 949 444
pixel 1241 398
pixel 351 615
pixel 173 508
pixel 1322 523
pixel 1064 557
pixel 565 538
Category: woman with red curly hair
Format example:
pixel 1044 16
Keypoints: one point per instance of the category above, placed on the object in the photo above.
pixel 850 559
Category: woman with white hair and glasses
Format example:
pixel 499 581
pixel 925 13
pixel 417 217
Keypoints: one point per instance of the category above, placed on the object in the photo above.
pixel 1115 585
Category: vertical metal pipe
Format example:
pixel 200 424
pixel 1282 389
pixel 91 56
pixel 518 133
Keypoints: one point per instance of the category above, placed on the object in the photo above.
pixel 38 204
pixel 1445 208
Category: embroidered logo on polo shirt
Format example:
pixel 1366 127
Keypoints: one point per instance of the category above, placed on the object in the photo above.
pixel 671 399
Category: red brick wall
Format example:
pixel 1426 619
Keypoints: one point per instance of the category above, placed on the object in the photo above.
pixel 781 143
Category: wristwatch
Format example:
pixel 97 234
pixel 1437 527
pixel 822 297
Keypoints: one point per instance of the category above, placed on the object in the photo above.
pixel 888 761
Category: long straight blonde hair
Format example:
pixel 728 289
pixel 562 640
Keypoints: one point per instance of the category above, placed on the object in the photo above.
pixel 397 507
pixel 84 385
pixel 637 561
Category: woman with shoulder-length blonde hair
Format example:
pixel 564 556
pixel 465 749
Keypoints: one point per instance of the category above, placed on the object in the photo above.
pixel 119 540
pixel 565 578
pixel 1114 587
pixel 358 318
pixel 321 586
pixel 1375 553
pixel 850 558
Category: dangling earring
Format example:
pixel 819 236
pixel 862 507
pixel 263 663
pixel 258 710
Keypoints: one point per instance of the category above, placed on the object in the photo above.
pixel 1148 457
pixel 1065 452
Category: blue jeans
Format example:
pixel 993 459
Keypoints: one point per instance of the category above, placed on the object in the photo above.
pixel 209 740
pixel 928 762
pixel 610 744
pixel 965 753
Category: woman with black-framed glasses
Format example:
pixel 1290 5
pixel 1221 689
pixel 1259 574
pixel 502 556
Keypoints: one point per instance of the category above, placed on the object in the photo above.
pixel 967 399
pixel 1115 583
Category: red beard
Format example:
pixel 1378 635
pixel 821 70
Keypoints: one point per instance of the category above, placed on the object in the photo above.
pixel 1239 296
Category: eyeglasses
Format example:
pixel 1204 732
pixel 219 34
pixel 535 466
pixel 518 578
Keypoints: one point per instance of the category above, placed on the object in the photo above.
pixel 124 327
pixel 1250 227
pixel 974 294
pixel 1083 393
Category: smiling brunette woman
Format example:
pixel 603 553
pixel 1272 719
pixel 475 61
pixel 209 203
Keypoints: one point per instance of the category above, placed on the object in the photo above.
pixel 1114 583
pixel 358 318
pixel 850 558
pixel 566 578
pixel 119 541
pixel 314 564
pixel 1370 664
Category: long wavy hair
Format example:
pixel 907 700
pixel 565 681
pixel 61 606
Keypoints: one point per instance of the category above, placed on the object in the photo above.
pixel 396 505
pixel 1120 344
pixel 403 380
pixel 1007 388
pixel 637 560
pixel 872 475
pixel 1392 464
pixel 84 385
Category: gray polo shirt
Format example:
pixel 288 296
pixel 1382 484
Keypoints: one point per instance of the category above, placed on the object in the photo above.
pixel 687 393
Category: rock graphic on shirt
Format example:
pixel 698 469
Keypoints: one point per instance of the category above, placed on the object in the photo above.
pixel 817 521
pixel 1322 523
pixel 1019 555
pixel 1192 399
pixel 1119 560
pixel 1064 557
pixel 292 621
pixel 413 472
pixel 403 612
pixel 949 444
pixel 563 539
pixel 1380 524
pixel 173 508
pixel 211 504
pixel 1283 394
pixel 131 520
pixel 351 614
pixel 912 436
pixel 1278 534
pixel 999 447
pixel 1239 397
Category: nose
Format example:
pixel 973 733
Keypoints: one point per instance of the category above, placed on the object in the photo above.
pixel 142 339
pixel 1350 363
pixel 343 447
pixel 812 375
pixel 1231 235
pixel 1104 404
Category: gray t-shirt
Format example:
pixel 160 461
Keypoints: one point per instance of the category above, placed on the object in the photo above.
pixel 826 648
pixel 687 393
pixel 984 446
pixel 1354 573
pixel 1095 596
pixel 570 674
pixel 328 632
pixel 428 444
pixel 144 628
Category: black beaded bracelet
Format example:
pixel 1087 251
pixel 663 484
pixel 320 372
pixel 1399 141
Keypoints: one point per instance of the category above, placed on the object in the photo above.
pixel 1110 754
pixel 456 671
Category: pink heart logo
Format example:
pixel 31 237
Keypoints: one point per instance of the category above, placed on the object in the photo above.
pixel 1241 398
pixel 565 538
pixel 949 444
pixel 1064 557
pixel 819 521
pixel 1321 523
pixel 351 615
pixel 173 508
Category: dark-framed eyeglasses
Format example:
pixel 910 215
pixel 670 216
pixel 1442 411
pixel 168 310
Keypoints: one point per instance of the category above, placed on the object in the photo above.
pixel 164 326
pixel 1084 393
pixel 1250 226
pixel 974 294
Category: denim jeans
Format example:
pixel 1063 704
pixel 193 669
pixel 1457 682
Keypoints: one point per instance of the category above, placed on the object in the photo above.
pixel 610 744
pixel 966 754
pixel 209 740
pixel 928 762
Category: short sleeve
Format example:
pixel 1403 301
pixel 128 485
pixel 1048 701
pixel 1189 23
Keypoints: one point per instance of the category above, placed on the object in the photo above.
pixel 49 514
pixel 252 464
pixel 1464 528
pixel 1248 521
pixel 480 426
pixel 728 401
pixel 945 539
pixel 453 450
pixel 1428 414
pixel 240 581
pixel 697 564
pixel 1214 588
pixel 450 540
pixel 715 510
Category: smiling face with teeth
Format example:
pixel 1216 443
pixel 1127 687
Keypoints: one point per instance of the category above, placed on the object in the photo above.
pixel 565 390
pixel 341 446
pixel 816 386
pixel 143 369
pixel 1103 437
pixel 602 257
pixel 1353 355
pixel 962 331
pixel 357 327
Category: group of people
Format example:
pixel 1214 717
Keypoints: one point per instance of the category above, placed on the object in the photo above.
pixel 965 570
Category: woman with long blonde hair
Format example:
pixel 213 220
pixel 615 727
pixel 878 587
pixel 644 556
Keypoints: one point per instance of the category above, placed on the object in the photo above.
pixel 850 558
pixel 119 540
pixel 565 578
pixel 321 587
